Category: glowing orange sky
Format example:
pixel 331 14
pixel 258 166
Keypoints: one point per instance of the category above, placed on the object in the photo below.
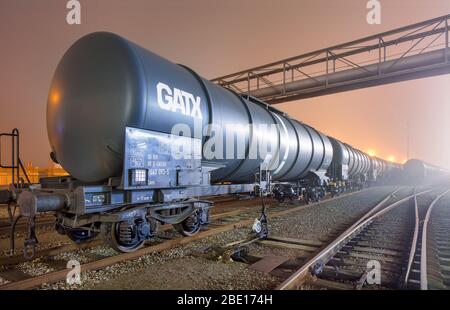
pixel 219 37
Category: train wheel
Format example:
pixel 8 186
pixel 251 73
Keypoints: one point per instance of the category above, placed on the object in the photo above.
pixel 189 226
pixel 122 236
pixel 81 235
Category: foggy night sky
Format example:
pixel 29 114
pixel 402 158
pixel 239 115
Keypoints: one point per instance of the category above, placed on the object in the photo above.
pixel 220 37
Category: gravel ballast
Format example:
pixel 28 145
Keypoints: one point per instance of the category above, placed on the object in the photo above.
pixel 182 267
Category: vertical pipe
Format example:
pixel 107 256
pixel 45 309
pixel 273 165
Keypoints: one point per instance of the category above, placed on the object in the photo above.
pixel 408 145
pixel 326 79
pixel 1 165
pixel 379 56
pixel 17 157
pixel 13 157
pixel 284 78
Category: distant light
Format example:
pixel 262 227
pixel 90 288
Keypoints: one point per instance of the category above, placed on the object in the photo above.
pixel 371 153
pixel 391 158
pixel 55 97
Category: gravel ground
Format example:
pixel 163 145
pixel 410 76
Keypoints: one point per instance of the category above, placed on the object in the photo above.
pixel 320 222
pixel 183 268
pixel 191 273
pixel 257 249
pixel 3 211
pixel 35 268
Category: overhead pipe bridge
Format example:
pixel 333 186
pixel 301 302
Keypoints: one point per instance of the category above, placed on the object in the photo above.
pixel 411 52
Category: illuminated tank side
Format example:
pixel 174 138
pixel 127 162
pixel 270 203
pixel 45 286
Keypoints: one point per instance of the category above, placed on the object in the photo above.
pixel 104 83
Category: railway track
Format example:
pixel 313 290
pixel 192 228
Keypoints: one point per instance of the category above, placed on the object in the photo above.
pixel 263 258
pixel 220 223
pixel 388 238
pixel 42 221
pixel 435 264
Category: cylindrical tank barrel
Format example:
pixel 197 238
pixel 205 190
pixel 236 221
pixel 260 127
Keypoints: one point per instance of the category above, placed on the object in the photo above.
pixel 104 83
pixel 341 160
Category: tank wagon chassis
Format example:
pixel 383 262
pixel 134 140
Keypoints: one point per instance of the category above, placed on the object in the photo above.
pixel 127 211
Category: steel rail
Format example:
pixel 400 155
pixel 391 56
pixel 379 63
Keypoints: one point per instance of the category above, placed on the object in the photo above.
pixel 378 206
pixel 41 222
pixel 423 256
pixel 297 278
pixel 412 252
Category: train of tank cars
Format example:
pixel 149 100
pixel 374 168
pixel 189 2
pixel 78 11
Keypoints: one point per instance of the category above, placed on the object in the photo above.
pixel 111 113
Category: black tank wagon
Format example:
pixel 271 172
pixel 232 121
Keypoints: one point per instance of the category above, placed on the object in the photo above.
pixel 143 139
pixel 417 169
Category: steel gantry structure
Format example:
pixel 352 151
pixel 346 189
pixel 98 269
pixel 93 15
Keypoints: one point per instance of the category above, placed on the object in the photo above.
pixel 411 52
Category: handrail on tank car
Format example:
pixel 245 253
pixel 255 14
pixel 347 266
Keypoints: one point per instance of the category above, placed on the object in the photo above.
pixel 16 163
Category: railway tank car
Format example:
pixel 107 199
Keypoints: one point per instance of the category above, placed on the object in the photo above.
pixel 144 139
pixel 376 169
pixel 350 166
pixel 418 170
pixel 107 83
pixel 116 112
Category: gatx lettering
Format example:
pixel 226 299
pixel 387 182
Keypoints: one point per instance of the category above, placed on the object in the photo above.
pixel 177 100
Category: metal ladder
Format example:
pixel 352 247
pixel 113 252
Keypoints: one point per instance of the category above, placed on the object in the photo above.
pixel 15 164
